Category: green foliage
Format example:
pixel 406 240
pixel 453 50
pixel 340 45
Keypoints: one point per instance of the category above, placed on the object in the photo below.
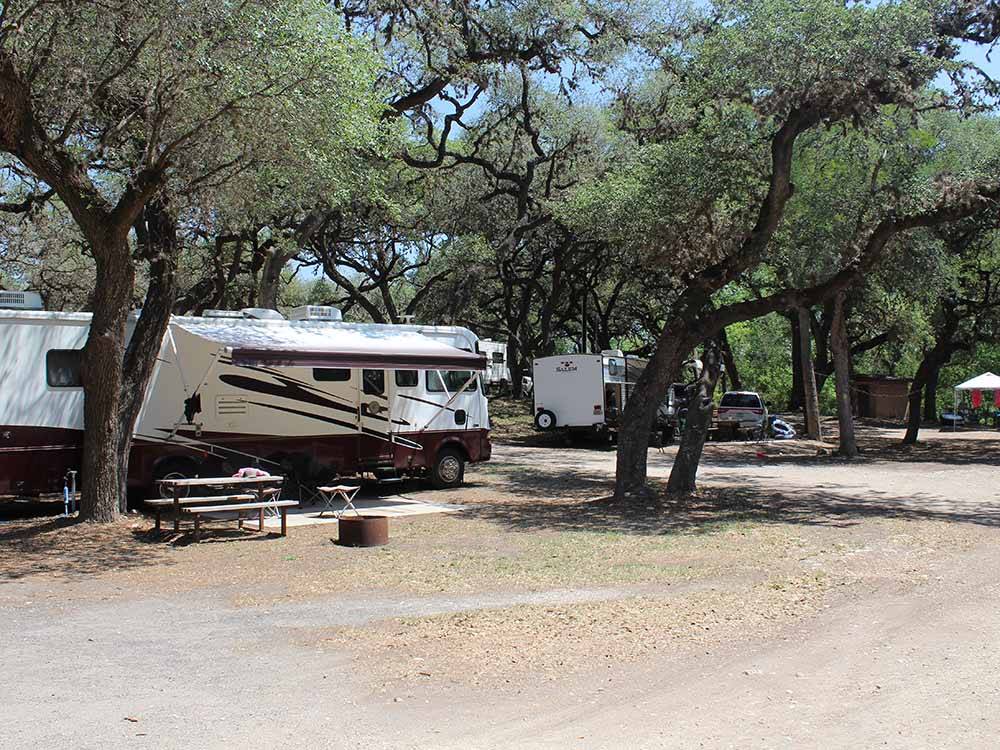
pixel 271 100
pixel 761 349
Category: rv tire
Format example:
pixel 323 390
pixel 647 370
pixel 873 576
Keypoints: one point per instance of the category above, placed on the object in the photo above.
pixel 173 468
pixel 545 420
pixel 449 469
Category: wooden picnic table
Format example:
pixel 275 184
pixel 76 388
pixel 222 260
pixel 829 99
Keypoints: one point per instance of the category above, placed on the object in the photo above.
pixel 261 487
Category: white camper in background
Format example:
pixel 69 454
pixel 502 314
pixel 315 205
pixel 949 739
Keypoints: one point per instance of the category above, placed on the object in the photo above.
pixel 497 371
pixel 583 391
pixel 590 391
pixel 314 396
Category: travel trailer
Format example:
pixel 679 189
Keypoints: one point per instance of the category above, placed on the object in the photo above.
pixel 312 396
pixel 589 392
pixel 497 371
pixel 583 391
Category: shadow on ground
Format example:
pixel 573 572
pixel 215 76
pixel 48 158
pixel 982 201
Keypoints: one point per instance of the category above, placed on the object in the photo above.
pixel 983 451
pixel 65 548
pixel 713 507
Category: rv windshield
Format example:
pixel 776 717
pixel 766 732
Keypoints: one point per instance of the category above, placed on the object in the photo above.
pixel 453 380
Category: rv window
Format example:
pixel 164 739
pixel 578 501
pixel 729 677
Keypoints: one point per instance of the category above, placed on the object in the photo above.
pixel 373 382
pixel 407 378
pixel 324 375
pixel 453 379
pixel 498 358
pixel 62 368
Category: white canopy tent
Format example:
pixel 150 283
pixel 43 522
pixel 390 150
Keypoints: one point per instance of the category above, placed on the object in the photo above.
pixel 985 382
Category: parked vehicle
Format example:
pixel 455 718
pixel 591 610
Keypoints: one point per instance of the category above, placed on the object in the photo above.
pixel 742 411
pixel 497 372
pixel 527 385
pixel 583 391
pixel 314 396
pixel 578 391
pixel 589 392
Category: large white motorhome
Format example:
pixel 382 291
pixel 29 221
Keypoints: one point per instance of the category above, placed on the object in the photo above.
pixel 313 396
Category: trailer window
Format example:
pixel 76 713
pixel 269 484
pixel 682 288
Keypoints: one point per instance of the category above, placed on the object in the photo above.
pixel 373 382
pixel 62 368
pixel 498 358
pixel 407 378
pixel 327 375
pixel 453 380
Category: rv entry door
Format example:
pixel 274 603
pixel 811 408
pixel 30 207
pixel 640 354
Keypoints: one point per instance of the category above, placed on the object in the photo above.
pixel 375 448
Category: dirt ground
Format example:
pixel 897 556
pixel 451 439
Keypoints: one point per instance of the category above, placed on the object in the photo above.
pixel 798 601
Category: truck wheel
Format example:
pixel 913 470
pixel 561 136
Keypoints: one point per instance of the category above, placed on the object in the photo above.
pixel 173 468
pixel 545 420
pixel 449 469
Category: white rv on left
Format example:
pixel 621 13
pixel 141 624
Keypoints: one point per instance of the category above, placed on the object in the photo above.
pixel 319 398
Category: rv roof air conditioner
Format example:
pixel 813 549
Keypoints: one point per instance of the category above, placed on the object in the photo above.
pixel 613 353
pixel 315 312
pixel 21 300
pixel 261 313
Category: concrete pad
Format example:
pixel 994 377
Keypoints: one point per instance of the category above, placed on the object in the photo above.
pixel 394 506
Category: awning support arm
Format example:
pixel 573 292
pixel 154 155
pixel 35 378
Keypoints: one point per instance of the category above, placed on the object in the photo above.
pixel 208 371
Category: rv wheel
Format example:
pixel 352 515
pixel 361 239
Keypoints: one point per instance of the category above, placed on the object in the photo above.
pixel 173 468
pixel 545 420
pixel 449 469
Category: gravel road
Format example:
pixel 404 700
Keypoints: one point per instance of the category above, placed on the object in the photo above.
pixel 895 665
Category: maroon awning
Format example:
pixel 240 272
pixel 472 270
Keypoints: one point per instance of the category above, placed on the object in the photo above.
pixel 459 360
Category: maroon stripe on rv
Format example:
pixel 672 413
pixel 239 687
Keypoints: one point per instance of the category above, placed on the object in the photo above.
pixel 372 360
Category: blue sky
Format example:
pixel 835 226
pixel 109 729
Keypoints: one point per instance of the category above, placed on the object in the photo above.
pixel 976 53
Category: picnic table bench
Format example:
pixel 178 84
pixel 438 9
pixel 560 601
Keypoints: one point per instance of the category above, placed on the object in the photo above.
pixel 258 493
pixel 159 503
pixel 281 505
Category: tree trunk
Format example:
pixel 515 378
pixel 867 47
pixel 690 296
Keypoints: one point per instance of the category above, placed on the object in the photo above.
pixel 157 238
pixel 823 366
pixel 930 395
pixel 516 367
pixel 797 397
pixel 102 362
pixel 914 398
pixel 633 434
pixel 811 395
pixel 732 374
pixel 684 472
pixel 842 370
pixel 275 261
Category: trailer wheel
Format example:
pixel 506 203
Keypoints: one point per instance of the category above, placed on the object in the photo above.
pixel 545 420
pixel 449 469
